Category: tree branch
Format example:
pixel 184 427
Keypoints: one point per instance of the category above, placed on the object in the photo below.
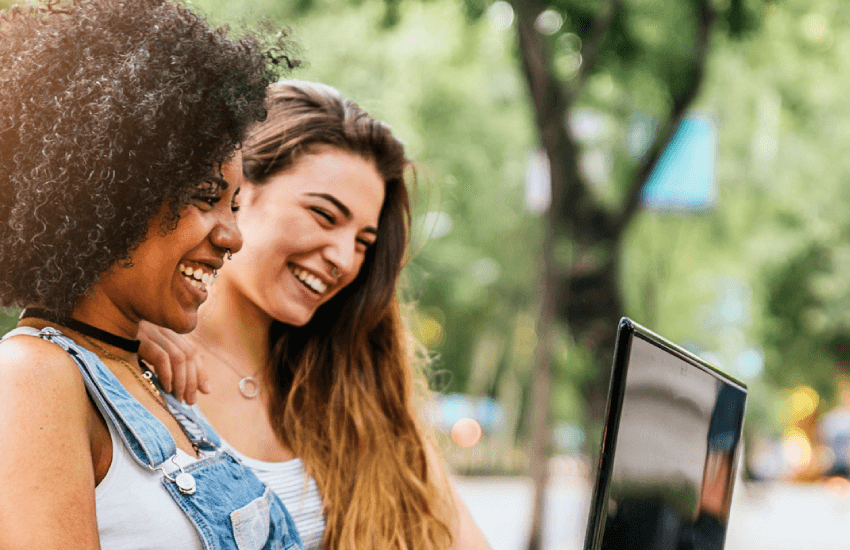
pixel 704 20
pixel 593 46
pixel 551 108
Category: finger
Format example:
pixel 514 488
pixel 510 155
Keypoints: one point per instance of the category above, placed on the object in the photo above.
pixel 191 385
pixel 182 353
pixel 158 359
pixel 178 369
pixel 203 379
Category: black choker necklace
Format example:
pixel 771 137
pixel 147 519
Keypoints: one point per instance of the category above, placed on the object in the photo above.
pixel 84 328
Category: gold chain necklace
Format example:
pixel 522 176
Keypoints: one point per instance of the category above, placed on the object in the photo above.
pixel 145 381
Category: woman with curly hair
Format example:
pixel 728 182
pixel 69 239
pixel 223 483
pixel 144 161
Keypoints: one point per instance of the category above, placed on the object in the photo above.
pixel 120 131
pixel 308 367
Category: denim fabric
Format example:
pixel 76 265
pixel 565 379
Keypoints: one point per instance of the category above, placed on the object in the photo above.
pixel 231 509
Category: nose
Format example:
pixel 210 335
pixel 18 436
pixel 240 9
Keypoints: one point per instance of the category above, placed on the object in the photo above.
pixel 342 254
pixel 226 234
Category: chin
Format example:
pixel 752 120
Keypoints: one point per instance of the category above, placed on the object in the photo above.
pixel 186 323
pixel 298 322
pixel 294 318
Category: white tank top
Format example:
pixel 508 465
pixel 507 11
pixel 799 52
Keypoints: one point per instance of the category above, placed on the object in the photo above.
pixel 134 510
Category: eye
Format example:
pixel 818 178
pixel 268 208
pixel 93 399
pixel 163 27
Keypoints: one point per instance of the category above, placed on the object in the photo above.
pixel 366 244
pixel 209 191
pixel 210 201
pixel 324 213
pixel 234 206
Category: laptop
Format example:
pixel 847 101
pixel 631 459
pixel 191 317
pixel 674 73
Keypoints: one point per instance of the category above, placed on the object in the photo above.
pixel 670 449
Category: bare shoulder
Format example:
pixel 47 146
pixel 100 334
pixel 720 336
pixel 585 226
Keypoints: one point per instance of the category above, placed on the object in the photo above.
pixel 31 366
pixel 48 489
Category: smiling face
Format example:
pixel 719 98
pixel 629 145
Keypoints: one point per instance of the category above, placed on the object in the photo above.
pixel 171 270
pixel 306 233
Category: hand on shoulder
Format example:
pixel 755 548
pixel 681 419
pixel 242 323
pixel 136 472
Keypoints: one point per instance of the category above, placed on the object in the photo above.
pixel 174 359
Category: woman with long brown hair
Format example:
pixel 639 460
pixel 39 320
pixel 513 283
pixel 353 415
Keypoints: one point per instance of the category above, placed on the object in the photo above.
pixel 308 367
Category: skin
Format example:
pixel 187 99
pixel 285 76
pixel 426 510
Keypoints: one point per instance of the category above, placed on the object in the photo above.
pixel 320 214
pixel 56 446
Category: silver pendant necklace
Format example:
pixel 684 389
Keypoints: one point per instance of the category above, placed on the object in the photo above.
pixel 249 387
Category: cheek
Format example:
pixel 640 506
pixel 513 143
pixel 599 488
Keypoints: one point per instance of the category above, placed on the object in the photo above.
pixel 355 274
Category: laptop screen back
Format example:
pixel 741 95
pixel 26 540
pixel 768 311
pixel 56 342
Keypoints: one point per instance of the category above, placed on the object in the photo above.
pixel 669 452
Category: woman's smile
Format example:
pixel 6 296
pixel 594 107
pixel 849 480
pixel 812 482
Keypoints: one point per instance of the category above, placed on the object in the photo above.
pixel 171 272
pixel 310 280
pixel 307 231
pixel 198 276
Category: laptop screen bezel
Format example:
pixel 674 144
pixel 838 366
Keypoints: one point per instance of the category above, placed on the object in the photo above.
pixel 627 331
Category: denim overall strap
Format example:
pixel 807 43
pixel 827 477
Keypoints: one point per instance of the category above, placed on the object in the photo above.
pixel 149 441
pixel 209 439
pixel 229 506
pixel 261 521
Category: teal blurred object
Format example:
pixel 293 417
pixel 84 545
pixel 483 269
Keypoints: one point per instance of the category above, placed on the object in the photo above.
pixel 453 406
pixel 684 178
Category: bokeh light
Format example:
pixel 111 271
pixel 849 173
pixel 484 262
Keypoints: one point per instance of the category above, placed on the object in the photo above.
pixel 428 330
pixel 500 15
pixel 802 402
pixel 549 22
pixel 466 432
pixel 797 448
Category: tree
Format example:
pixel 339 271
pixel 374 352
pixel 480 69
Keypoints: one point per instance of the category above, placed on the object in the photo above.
pixel 583 290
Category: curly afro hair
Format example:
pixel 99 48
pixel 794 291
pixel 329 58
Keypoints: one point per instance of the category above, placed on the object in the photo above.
pixel 108 110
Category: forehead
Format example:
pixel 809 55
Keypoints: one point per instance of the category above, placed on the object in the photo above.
pixel 349 178
pixel 231 170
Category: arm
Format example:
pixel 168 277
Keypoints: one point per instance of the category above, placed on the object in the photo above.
pixel 47 498
pixel 173 358
pixel 466 534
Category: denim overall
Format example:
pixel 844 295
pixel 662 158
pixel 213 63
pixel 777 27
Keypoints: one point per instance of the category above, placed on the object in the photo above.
pixel 229 507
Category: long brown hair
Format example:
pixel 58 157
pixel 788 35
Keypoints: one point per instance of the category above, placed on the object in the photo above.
pixel 344 382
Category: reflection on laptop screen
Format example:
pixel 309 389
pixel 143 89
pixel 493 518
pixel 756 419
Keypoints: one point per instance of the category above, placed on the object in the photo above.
pixel 674 454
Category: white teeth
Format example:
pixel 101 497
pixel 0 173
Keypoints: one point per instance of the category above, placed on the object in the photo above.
pixel 197 277
pixel 318 286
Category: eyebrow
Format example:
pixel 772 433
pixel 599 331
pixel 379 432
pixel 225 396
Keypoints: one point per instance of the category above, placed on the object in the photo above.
pixel 341 207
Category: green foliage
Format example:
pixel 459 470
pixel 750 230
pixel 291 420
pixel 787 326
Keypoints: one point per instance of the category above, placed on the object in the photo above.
pixel 807 316
pixel 449 84
pixel 8 319
pixel 450 89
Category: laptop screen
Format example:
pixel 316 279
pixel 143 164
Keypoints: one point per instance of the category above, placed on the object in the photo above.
pixel 669 450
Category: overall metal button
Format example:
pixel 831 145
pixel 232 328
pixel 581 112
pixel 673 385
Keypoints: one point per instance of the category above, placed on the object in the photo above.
pixel 186 483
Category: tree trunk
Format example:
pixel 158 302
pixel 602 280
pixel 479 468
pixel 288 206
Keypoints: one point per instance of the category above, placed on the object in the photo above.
pixel 541 391
pixel 585 294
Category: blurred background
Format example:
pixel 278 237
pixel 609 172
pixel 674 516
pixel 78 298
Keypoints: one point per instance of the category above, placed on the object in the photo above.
pixel 681 162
